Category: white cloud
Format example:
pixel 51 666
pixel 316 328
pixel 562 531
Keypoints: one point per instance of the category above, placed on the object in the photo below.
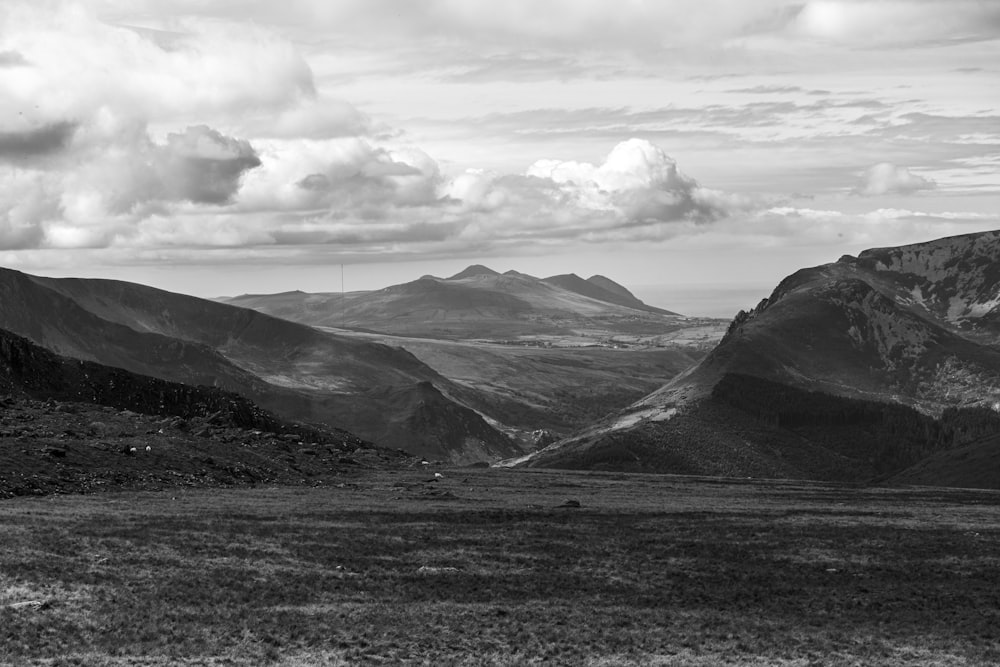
pixel 77 64
pixel 793 226
pixel 897 22
pixel 638 180
pixel 887 178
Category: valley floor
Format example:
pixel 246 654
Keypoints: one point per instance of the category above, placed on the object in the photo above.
pixel 497 567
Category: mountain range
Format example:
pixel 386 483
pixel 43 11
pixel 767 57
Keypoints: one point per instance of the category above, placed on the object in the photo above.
pixel 852 371
pixel 880 368
pixel 477 302
pixel 378 391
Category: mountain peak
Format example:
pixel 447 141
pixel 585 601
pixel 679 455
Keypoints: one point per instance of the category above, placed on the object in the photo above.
pixel 474 270
pixel 610 285
pixel 517 274
pixel 602 289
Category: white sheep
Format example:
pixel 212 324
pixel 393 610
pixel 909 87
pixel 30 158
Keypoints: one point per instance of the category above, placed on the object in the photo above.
pixel 148 449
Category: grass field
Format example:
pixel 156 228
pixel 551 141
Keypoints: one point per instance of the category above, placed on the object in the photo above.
pixel 485 567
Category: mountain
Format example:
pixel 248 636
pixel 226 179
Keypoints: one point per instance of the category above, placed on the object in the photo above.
pixel 477 302
pixel 609 285
pixel 296 371
pixel 910 328
pixel 32 371
pixel 602 289
pixel 74 426
pixel 473 271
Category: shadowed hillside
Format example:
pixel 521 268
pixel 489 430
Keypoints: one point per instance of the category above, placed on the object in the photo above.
pixel 294 370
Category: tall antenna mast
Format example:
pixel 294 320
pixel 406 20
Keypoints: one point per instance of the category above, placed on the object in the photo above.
pixel 343 298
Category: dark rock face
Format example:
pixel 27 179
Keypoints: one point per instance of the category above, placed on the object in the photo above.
pixel 37 372
pixel 32 371
pixel 72 426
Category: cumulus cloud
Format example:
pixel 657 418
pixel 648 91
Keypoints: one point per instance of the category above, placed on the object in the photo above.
pixel 205 66
pixel 122 156
pixel 49 138
pixel 201 165
pixel 12 59
pixel 340 176
pixel 638 180
pixel 95 191
pixel 887 178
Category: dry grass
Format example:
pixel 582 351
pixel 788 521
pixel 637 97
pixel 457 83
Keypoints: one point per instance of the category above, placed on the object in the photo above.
pixel 486 570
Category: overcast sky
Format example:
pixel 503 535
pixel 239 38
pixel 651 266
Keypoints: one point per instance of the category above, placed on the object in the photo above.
pixel 222 146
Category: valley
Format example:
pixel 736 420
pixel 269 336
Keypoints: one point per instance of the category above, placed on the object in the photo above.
pixel 544 357
pixel 863 370
pixel 494 469
pixel 560 385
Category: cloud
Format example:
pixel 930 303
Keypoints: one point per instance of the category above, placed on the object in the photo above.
pixel 350 192
pixel 522 67
pixel 206 66
pixel 795 226
pixel 203 166
pixel 12 59
pixel 100 186
pixel 887 178
pixel 313 118
pixel 638 180
pixel 515 23
pixel 50 138
pixel 896 23
pixel 341 176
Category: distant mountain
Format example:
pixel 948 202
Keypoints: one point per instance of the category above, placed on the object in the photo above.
pixel 476 302
pixel 611 286
pixel 909 328
pixel 602 289
pixel 296 371
pixel 474 271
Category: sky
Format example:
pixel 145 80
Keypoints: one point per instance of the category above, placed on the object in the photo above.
pixel 220 147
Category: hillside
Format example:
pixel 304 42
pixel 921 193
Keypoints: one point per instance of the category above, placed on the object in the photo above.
pixel 896 328
pixel 974 465
pixel 77 426
pixel 477 302
pixel 602 289
pixel 296 371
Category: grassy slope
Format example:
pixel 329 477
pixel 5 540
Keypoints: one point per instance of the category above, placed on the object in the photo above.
pixel 975 465
pixel 484 568
pixel 560 389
